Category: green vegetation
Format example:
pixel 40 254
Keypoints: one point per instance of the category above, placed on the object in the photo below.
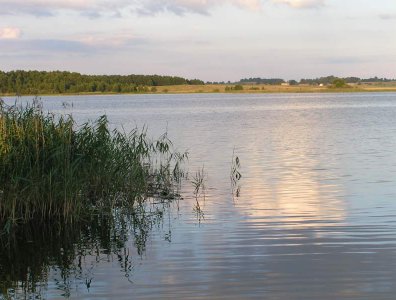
pixel 254 88
pixel 67 191
pixel 36 82
pixel 57 82
pixel 328 80
pixel 339 83
pixel 52 170
pixel 237 87
pixel 198 181
pixel 269 81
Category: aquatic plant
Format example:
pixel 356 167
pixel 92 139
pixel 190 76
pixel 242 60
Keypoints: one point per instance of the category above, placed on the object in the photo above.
pixel 198 182
pixel 235 175
pixel 53 170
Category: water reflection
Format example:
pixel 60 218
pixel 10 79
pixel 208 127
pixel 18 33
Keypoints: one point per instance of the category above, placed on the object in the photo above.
pixel 70 253
pixel 315 216
pixel 292 182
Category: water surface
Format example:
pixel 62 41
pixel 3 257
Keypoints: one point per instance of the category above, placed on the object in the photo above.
pixel 315 216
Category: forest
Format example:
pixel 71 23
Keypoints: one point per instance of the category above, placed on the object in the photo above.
pixel 270 81
pixel 58 82
pixel 316 81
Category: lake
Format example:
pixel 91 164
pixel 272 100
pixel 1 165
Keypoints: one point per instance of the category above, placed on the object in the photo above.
pixel 312 217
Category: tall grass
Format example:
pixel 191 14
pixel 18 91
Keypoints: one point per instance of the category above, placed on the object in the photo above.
pixel 50 168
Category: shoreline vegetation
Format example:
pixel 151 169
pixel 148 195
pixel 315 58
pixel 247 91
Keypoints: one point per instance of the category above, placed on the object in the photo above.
pixel 229 89
pixel 67 190
pixel 54 171
pixel 32 83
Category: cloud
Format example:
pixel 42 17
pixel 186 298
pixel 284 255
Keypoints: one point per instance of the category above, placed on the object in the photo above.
pixel 31 47
pixel 10 33
pixel 83 45
pixel 52 4
pixel 114 40
pixel 97 8
pixel 387 16
pixel 100 7
pixel 346 60
pixel 50 7
pixel 195 6
pixel 301 3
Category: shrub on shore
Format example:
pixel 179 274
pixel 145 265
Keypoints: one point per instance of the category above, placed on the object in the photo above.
pixel 339 83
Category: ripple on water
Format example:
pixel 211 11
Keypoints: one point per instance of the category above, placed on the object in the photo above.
pixel 315 217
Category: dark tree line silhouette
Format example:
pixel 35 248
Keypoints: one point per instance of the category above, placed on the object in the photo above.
pixel 57 82
pixel 321 80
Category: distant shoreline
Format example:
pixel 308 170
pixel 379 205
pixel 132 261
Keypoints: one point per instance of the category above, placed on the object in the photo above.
pixel 247 89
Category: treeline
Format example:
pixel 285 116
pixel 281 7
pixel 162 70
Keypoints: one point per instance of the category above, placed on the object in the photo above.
pixel 356 80
pixel 321 80
pixel 270 81
pixel 57 82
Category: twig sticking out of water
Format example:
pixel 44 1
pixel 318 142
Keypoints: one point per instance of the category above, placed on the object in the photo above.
pixel 198 181
pixel 235 175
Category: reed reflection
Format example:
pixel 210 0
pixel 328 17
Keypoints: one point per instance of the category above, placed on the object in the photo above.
pixel 31 254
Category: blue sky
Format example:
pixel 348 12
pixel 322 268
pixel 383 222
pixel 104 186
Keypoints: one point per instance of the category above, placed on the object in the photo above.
pixel 212 40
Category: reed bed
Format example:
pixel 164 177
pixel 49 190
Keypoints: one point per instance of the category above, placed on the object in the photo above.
pixel 52 169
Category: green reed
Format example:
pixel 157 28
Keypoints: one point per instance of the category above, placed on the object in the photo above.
pixel 50 168
pixel 198 182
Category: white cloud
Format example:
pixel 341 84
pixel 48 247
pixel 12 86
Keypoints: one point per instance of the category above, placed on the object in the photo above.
pixel 56 4
pixel 48 7
pixel 195 6
pixel 114 40
pixel 302 3
pixel 387 16
pixel 100 7
pixel 10 33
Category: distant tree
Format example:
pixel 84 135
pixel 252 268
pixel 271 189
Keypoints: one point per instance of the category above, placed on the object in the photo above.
pixel 195 82
pixel 352 79
pixel 339 83
pixel 271 81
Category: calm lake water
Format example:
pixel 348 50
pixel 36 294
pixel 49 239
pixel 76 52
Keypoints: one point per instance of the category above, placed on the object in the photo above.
pixel 313 216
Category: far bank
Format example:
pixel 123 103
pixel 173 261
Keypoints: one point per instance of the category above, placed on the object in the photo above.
pixel 246 88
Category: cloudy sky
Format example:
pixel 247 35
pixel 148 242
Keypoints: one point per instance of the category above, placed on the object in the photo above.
pixel 213 40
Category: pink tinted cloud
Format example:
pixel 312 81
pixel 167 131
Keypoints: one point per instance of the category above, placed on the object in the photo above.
pixel 301 3
pixel 10 33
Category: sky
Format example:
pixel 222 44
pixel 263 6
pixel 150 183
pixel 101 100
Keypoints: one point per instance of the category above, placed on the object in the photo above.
pixel 213 40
